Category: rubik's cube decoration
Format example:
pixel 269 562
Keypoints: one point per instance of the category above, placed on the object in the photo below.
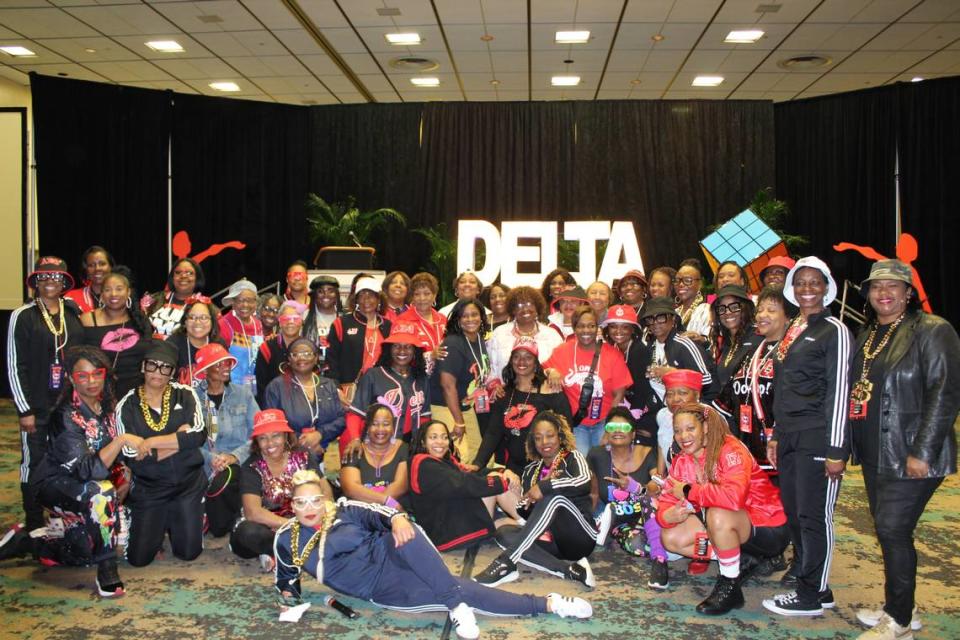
pixel 748 241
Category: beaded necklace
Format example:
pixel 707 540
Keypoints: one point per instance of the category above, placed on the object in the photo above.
pixel 164 409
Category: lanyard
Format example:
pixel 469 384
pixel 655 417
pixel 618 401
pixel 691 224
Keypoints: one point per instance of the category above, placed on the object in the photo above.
pixel 313 408
pixel 756 365
pixel 481 369
pixel 398 416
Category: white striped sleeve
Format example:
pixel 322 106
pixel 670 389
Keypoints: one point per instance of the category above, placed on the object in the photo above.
pixel 838 408
pixel 13 373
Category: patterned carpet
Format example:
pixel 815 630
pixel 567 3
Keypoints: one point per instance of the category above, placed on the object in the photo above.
pixel 220 596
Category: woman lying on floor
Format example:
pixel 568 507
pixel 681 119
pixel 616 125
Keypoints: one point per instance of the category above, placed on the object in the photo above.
pixel 739 516
pixel 559 533
pixel 372 552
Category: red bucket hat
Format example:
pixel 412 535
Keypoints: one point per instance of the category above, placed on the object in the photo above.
pixel 209 355
pixel 269 421
pixel 684 378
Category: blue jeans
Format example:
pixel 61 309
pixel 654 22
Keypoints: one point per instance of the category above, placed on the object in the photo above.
pixel 588 436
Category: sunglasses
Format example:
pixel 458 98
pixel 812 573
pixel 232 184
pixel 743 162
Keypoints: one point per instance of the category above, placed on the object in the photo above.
pixel 660 318
pixel 302 355
pixel 86 377
pixel 689 280
pixel 290 319
pixel 733 307
pixel 270 310
pixel 151 366
pixel 182 273
pixel 44 277
pixel 296 275
pixel 302 502
pixel 617 427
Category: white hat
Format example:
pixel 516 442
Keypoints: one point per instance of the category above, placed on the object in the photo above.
pixel 368 284
pixel 811 262
pixel 236 288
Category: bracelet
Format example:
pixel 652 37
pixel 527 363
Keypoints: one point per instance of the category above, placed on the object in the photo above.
pixel 459 424
pixel 401 514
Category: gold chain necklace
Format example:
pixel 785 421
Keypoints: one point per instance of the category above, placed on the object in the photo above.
pixel 164 409
pixel 56 331
pixel 685 315
pixel 734 346
pixel 300 558
pixel 863 389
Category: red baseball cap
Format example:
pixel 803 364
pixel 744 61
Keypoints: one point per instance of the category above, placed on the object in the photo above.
pixel 624 313
pixel 269 421
pixel 404 333
pixel 526 344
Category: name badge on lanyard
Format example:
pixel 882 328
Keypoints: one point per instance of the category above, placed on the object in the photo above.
pixel 481 400
pixel 56 376
pixel 746 418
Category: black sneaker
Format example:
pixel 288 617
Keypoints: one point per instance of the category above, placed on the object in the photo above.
pixel 726 595
pixel 500 571
pixel 770 566
pixel 790 604
pixel 15 543
pixel 659 574
pixel 581 572
pixel 789 579
pixel 826 599
pixel 108 579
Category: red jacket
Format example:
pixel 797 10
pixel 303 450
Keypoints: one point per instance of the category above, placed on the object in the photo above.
pixel 742 485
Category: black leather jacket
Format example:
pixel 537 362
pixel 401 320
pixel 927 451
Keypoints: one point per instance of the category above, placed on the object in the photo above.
pixel 920 396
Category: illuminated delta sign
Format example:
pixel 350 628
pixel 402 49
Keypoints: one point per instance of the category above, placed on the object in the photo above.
pixel 535 243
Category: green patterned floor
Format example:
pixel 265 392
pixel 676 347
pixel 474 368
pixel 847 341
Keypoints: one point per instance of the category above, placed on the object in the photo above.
pixel 220 596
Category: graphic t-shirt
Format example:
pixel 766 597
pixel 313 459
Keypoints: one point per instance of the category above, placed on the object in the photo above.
pixel 574 363
pixel 468 362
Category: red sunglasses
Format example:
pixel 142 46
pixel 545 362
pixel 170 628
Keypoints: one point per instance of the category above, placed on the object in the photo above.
pixel 86 377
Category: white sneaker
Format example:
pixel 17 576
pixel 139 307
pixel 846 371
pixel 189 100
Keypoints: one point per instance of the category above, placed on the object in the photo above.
pixel 604 522
pixel 569 607
pixel 871 618
pixel 590 580
pixel 267 563
pixel 887 629
pixel 464 622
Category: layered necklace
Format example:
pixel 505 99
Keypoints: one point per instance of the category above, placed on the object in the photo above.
pixel 863 389
pixel 58 331
pixel 158 425
pixel 696 302
pixel 797 326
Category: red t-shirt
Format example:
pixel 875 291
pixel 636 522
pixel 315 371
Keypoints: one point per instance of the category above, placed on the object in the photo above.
pixel 573 364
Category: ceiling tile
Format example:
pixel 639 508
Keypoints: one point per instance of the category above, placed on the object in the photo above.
pixel 473 61
pixel 44 55
pixel 344 40
pixel 197 69
pixel 498 11
pixel 297 41
pixel 358 62
pixel 376 83
pixel 272 14
pixel 127 19
pixel 322 64
pixel 191 48
pixel 838 37
pixel 885 61
pixel 14 75
pixel 934 11
pixel 375 39
pixel 66 69
pixel 266 66
pixel 947 62
pixel 363 13
pixel 129 70
pixel 543 37
pixel 505 36
pixel 187 15
pixel 241 43
pixel 104 49
pixel 553 61
pixel 44 23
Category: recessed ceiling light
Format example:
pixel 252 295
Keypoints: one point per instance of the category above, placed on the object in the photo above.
pixel 90 50
pixel 565 81
pixel 916 79
pixel 405 39
pixel 658 37
pixel 225 86
pixel 635 81
pixel 743 37
pixel 707 81
pixel 572 37
pixel 18 52
pixel 426 82
pixel 165 46
pixel 487 37
pixel 495 82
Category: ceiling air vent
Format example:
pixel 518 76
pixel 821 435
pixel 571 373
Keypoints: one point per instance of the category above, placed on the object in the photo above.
pixel 804 63
pixel 388 11
pixel 413 63
pixel 768 8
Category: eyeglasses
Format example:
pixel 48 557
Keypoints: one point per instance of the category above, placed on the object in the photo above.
pixel 270 310
pixel 302 502
pixel 86 377
pixel 44 277
pixel 165 368
pixel 629 282
pixel 296 275
pixel 201 319
pixel 689 280
pixel 617 427
pixel 660 318
pixel 733 307
pixel 181 273
pixel 302 355
pixel 290 319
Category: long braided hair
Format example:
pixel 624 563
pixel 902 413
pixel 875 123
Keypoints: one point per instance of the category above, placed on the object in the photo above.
pixel 715 432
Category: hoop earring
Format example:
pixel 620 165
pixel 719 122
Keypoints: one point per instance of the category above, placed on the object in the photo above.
pixel 281 368
pixel 129 303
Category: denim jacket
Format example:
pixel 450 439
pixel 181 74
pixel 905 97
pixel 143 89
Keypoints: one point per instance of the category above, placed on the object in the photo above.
pixel 234 422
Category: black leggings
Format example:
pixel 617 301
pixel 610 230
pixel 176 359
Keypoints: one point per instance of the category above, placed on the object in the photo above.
pixel 223 501
pixel 181 516
pixel 252 539
pixel 766 542
pixel 574 537
pixel 33 446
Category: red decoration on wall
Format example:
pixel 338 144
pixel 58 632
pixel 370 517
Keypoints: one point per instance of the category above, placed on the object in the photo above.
pixel 182 247
pixel 907 251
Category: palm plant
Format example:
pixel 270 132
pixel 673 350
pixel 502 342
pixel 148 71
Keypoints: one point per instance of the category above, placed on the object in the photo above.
pixel 443 258
pixel 344 224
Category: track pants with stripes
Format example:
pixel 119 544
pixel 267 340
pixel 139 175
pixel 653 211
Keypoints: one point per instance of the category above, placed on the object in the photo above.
pixel 33 446
pixel 572 536
pixel 415 579
pixel 809 498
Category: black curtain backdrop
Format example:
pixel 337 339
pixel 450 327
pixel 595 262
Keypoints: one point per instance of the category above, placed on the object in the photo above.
pixel 101 156
pixel 930 176
pixel 242 171
pixel 836 163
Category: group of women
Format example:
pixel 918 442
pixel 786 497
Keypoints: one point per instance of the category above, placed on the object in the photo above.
pixel 546 419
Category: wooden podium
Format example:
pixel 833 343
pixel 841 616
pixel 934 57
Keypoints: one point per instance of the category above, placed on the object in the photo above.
pixel 344 258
